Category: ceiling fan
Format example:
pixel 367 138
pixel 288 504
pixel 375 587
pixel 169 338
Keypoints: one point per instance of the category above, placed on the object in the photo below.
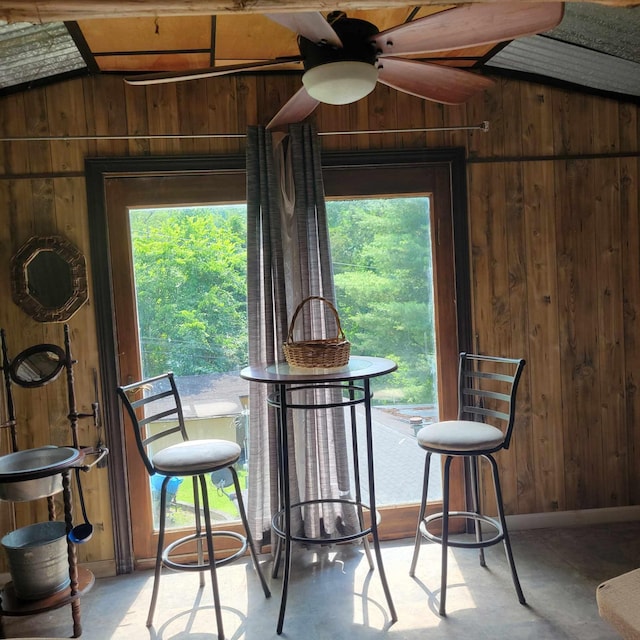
pixel 345 57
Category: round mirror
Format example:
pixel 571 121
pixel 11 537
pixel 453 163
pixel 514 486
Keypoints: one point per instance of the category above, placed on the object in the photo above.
pixel 38 365
pixel 49 279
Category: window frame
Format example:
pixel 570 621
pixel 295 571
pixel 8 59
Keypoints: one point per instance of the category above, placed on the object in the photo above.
pixel 99 173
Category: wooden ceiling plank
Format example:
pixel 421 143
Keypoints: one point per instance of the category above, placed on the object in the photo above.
pixel 147 34
pixel 153 62
pixel 255 37
pixel 40 11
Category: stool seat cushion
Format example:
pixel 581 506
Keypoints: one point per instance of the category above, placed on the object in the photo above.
pixel 196 456
pixel 459 436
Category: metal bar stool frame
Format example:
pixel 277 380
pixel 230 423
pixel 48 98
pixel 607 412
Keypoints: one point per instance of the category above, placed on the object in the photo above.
pixel 484 396
pixel 226 454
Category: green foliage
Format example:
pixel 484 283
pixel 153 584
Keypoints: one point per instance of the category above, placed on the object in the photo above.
pixel 382 267
pixel 190 272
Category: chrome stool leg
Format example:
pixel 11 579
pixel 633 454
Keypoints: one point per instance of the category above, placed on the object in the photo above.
pixel 421 515
pixel 158 568
pixel 473 468
pixel 198 530
pixel 245 524
pixel 211 554
pixel 505 533
pixel 445 536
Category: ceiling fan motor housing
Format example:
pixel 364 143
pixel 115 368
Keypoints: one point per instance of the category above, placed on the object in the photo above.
pixel 356 36
pixel 341 75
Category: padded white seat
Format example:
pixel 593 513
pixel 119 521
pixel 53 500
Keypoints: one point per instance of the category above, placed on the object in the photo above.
pixel 196 456
pixel 459 436
pixel 487 389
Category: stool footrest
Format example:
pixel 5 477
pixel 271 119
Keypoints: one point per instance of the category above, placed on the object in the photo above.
pixel 464 544
pixel 277 522
pixel 197 566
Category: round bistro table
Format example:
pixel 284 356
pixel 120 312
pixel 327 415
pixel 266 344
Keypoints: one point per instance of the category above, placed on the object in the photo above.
pixel 353 382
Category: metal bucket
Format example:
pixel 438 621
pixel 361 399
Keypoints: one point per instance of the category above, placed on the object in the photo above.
pixel 38 559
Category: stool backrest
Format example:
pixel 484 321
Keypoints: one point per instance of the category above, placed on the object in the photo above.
pixel 154 401
pixel 487 388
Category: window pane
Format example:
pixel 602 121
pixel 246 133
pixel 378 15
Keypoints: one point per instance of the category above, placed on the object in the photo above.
pixel 190 280
pixel 381 251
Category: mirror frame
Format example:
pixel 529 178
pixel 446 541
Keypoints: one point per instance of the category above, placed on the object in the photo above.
pixel 26 354
pixel 20 282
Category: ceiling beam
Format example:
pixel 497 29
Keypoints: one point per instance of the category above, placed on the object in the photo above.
pixel 39 11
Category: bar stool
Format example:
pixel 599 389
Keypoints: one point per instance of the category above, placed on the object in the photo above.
pixel 158 400
pixel 487 387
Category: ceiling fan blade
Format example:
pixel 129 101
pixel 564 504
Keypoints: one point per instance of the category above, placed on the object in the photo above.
pixel 296 109
pixel 211 72
pixel 310 24
pixel 469 25
pixel 431 81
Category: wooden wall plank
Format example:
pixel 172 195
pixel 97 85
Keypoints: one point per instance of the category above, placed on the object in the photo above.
pixel 15 158
pixel 629 136
pixel 486 106
pixel 43 211
pixel 490 284
pixel 37 124
pixel 272 96
pixel 382 116
pixel 611 332
pixel 162 113
pixel 537 120
pixel 572 123
pixel 193 116
pixel 576 232
pixel 106 115
pixel 512 119
pixel 334 120
pixel 543 357
pixel 66 116
pixel 434 116
pixel 456 116
pixel 137 118
pixel 605 126
pixel 522 443
pixel 360 114
pixel 223 114
pixel 413 117
pixel 246 91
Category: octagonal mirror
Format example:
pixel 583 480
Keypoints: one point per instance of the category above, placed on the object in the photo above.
pixel 49 278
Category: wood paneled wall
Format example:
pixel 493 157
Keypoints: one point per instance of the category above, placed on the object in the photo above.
pixel 554 243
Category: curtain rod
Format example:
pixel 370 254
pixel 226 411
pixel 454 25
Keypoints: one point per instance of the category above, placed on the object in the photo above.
pixel 483 126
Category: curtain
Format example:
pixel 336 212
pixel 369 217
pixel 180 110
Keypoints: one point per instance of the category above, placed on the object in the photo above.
pixel 288 260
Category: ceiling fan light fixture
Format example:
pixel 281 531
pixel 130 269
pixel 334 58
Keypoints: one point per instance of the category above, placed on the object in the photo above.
pixel 340 82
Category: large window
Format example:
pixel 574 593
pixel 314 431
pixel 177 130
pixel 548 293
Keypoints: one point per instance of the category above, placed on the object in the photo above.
pixel 189 267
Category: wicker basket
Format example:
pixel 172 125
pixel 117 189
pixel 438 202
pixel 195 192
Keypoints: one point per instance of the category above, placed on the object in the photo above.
pixel 324 353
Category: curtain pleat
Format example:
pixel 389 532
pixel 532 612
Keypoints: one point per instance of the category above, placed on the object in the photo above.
pixel 289 259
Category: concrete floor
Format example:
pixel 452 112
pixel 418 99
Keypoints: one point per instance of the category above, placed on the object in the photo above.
pixel 334 596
